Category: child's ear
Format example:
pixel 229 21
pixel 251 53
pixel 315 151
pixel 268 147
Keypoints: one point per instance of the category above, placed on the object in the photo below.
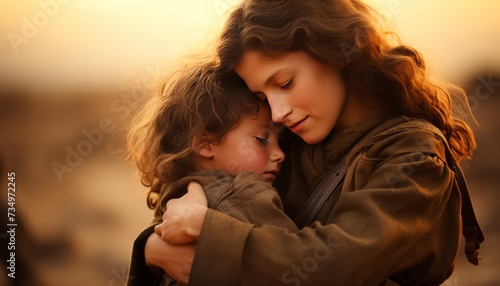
pixel 203 148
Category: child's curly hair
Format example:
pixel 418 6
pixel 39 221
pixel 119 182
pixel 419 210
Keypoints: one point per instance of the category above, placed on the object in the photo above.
pixel 192 102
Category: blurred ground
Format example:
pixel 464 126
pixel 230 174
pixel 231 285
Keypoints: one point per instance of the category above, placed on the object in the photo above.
pixel 79 230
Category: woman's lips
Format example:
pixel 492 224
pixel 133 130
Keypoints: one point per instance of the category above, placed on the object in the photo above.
pixel 297 125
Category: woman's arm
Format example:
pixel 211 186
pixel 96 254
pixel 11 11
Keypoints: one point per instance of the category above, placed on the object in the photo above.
pixel 183 219
pixel 396 217
pixel 176 260
pixel 395 222
pixel 188 217
pixel 181 227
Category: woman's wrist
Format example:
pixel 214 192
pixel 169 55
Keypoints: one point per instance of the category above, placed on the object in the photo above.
pixel 196 219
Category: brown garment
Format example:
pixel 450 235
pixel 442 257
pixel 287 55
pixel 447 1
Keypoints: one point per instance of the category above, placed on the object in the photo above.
pixel 397 215
pixel 245 197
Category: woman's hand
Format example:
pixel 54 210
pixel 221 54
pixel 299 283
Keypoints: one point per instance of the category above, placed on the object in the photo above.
pixel 183 219
pixel 176 260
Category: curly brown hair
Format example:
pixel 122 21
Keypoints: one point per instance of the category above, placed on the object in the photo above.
pixel 193 102
pixel 348 34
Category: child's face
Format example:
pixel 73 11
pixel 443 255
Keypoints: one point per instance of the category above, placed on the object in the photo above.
pixel 251 146
pixel 305 95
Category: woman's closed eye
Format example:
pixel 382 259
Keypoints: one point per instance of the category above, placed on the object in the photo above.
pixel 286 84
pixel 262 141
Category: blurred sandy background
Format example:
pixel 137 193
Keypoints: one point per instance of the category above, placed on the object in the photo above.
pixel 73 72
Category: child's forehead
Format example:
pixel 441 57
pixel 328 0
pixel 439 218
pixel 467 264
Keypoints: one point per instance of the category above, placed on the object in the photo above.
pixel 262 122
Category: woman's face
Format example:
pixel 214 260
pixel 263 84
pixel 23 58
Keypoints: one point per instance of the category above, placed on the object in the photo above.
pixel 305 95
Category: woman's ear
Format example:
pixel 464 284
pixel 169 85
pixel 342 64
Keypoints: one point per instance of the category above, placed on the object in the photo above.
pixel 203 148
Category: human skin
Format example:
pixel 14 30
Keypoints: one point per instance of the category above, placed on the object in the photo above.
pixel 309 97
pixel 251 146
pixel 305 95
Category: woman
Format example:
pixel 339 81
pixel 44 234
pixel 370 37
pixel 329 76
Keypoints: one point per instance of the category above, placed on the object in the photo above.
pixel 362 105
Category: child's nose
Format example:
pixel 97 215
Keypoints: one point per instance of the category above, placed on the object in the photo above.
pixel 277 155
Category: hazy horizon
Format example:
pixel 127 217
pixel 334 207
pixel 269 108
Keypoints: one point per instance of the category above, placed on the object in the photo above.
pixel 103 42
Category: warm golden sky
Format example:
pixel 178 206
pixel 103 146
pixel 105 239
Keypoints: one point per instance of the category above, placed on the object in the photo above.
pixel 102 41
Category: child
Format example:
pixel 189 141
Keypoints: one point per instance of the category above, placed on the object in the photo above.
pixel 211 130
pixel 364 106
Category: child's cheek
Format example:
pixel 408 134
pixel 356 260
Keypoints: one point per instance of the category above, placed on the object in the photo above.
pixel 260 160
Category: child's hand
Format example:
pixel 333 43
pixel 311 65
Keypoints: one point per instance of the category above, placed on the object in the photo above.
pixel 184 217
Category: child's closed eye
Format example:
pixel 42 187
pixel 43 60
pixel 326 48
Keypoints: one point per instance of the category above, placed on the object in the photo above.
pixel 262 141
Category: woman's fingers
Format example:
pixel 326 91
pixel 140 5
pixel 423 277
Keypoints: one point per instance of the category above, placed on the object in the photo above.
pixel 183 218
